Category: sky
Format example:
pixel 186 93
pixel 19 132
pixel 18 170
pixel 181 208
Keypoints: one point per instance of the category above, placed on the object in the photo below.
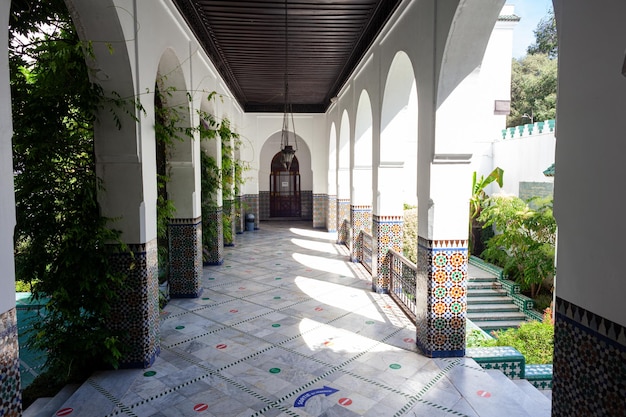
pixel 530 12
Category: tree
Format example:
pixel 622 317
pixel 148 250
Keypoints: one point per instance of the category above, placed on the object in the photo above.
pixel 533 89
pixel 545 37
pixel 534 77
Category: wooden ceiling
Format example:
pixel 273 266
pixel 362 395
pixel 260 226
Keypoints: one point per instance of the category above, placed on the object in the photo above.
pixel 247 42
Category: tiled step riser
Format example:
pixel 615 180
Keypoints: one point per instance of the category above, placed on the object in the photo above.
pixel 503 316
pixel 482 279
pixel 494 300
pixel 482 292
pixel 490 308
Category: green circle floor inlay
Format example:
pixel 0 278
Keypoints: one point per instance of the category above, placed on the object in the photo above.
pixel 274 370
pixel 277 298
pixel 275 325
pixel 277 278
pixel 211 279
pixel 205 298
pixel 179 327
pixel 395 366
pixel 370 322
pixel 149 373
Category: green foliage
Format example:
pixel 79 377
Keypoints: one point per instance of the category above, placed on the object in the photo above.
pixel 409 234
pixel 535 340
pixel 478 189
pixel 525 243
pixel 229 178
pixel 477 234
pixel 61 240
pixel 545 37
pixel 533 89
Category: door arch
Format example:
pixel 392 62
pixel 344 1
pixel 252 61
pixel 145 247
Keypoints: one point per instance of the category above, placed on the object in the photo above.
pixel 285 188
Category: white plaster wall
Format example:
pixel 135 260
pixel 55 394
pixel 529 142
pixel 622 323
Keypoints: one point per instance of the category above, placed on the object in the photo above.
pixel 262 131
pixel 495 70
pixel 7 194
pixel 523 160
pixel 590 168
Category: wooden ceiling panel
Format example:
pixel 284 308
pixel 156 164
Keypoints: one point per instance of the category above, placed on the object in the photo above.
pixel 247 42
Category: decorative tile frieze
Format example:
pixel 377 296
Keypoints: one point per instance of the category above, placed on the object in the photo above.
pixel 387 234
pixel 306 204
pixel 185 251
pixel 264 205
pixel 343 221
pixel 441 296
pixel 10 385
pixel 360 219
pixel 331 213
pixel 319 210
pixel 589 373
pixel 136 315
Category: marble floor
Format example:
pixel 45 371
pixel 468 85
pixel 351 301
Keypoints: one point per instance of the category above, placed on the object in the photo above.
pixel 287 326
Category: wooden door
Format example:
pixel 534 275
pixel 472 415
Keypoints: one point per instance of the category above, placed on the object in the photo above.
pixel 284 188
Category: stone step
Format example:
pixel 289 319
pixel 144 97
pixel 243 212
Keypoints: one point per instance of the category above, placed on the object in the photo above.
pixel 484 285
pixel 485 278
pixel 531 404
pixel 485 393
pixel 485 292
pixel 537 396
pixel 490 308
pixel 48 406
pixel 488 299
pixel 492 316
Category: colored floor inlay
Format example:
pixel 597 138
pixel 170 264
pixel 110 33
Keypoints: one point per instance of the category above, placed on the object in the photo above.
pixel 286 326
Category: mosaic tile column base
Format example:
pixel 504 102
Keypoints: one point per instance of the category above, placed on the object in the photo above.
pixel 343 221
pixel 331 213
pixel 386 234
pixel 319 210
pixel 185 251
pixel 136 315
pixel 213 251
pixel 360 219
pixel 441 297
pixel 10 391
pixel 589 372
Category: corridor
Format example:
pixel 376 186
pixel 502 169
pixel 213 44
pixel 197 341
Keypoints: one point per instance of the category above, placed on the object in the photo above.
pixel 287 326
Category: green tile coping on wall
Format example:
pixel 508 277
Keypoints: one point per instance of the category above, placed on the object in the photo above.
pixel 540 376
pixel 504 358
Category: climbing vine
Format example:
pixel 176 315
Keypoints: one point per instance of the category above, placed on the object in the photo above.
pixel 61 240
pixel 228 178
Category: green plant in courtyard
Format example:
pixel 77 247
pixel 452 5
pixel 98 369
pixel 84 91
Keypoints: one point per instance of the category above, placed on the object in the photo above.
pixel 409 233
pixel 534 339
pixel 477 234
pixel 525 241
pixel 61 240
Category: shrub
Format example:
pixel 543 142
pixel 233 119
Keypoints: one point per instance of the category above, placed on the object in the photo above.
pixel 535 340
pixel 525 241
